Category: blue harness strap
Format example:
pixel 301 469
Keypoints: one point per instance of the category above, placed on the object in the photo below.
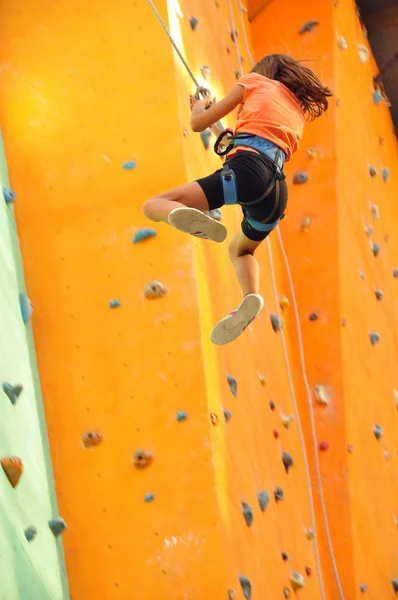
pixel 260 226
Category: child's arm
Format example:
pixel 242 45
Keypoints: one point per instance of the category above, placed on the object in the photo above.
pixel 203 117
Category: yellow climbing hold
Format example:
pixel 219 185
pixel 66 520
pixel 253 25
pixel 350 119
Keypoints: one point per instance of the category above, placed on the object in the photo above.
pixel 305 224
pixel 286 420
pixel 297 581
pixel 321 394
pixel 284 303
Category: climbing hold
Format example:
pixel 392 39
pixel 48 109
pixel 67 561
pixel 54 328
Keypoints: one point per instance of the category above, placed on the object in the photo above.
pixel 228 50
pixel 305 224
pixel 12 391
pixel 205 137
pixel 91 439
pixel 309 534
pixel 284 555
pixel 231 594
pixel 363 587
pixel 129 165
pixel 363 53
pixel 114 303
pixel 12 467
pixel 337 101
pixel 308 26
pixel 395 272
pixel 215 214
pixel 396 397
pixel 271 405
pixel 142 458
pixel 263 499
pixel 374 337
pixel 237 75
pixel 261 378
pixel 227 415
pixel 143 234
pixel 385 172
pixel 246 586
pixel 205 70
pixel 276 322
pixel 323 446
pixel 387 455
pixel 297 581
pixel 321 394
pixel 247 513
pixel 181 415
pixel 185 132
pixel 234 35
pixel 350 448
pixel 287 420
pixel 378 431
pixel 149 497
pixel 312 152
pixel 368 229
pixel 284 303
pixel 394 584
pixel 375 211
pixel 276 433
pixel 300 177
pixel 26 308
pixel 375 248
pixel 344 322
pixel 154 289
pixel 287 460
pixel 377 97
pixel 57 525
pixel 214 418
pixel 362 275
pixel 308 571
pixel 313 316
pixel 278 494
pixel 379 294
pixel 9 195
pixel 233 384
pixel 372 170
pixel 342 43
pixel 286 592
pixel 30 533
pixel 193 21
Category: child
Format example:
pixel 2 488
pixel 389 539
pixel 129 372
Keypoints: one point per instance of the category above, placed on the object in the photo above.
pixel 274 100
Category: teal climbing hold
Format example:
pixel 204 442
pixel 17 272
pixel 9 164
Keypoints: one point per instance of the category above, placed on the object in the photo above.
pixel 308 26
pixel 205 137
pixel 181 415
pixel 379 294
pixel 263 499
pixel 143 234
pixel 193 21
pixel 149 497
pixel 26 308
pixel 246 586
pixel 12 391
pixel 227 415
pixel 394 585
pixel 395 272
pixel 247 513
pixel 276 323
pixel 375 248
pixel 374 337
pixel 129 165
pixel 385 172
pixel 377 97
pixel 300 177
pixel 114 303
pixel 57 525
pixel 378 431
pixel 9 195
pixel 30 533
pixel 363 587
pixel 233 384
pixel 287 461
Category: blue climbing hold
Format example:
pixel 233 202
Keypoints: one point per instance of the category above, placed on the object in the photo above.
pixel 263 499
pixel 377 97
pixel 193 21
pixel 378 431
pixel 57 525
pixel 395 272
pixel 143 234
pixel 26 308
pixel 205 137
pixel 394 585
pixel 227 415
pixel 308 26
pixel 374 337
pixel 129 165
pixel 9 195
pixel 233 384
pixel 247 513
pixel 30 533
pixel 379 294
pixel 246 586
pixel 114 303
pixel 363 587
pixel 12 391
pixel 385 172
pixel 300 177
pixel 375 248
pixel 149 497
pixel 181 415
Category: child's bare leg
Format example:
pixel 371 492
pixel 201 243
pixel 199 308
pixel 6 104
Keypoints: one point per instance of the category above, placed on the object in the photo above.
pixel 159 207
pixel 241 253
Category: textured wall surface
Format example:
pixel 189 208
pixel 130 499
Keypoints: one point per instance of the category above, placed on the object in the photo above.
pixel 88 87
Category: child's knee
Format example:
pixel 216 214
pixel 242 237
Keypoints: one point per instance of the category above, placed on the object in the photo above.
pixel 149 208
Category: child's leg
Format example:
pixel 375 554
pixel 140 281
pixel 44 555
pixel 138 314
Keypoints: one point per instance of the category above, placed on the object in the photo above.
pixel 241 253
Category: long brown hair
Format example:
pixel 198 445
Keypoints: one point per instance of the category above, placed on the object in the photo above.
pixel 305 85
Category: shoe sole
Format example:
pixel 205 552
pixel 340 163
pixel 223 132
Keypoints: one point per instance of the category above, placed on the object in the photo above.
pixel 191 220
pixel 232 326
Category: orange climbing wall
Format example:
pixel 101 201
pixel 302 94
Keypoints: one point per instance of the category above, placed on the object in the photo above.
pixel 86 88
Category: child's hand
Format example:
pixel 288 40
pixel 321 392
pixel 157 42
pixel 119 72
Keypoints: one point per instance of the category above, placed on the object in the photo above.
pixel 202 103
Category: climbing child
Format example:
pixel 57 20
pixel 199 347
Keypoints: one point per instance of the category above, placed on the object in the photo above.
pixel 274 100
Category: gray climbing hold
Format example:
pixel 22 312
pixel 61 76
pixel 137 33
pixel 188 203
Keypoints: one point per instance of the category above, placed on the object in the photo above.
pixel 143 234
pixel 276 323
pixel 394 585
pixel 129 165
pixel 378 431
pixel 193 21
pixel 215 214
pixel 154 289
pixel 246 586
pixel 9 195
pixel 26 308
pixel 385 172
pixel 247 513
pixel 271 405
pixel 114 303
pixel 363 587
pixel 149 497
pixel 284 555
pixel 363 53
pixel 313 316
pixel 181 415
pixel 287 460
pixel 227 415
pixel 374 337
pixel 372 171
pixel 375 211
pixel 231 594
pixel 57 525
pixel 12 391
pixel 342 43
pixel 30 533
pixel 234 35
pixel 377 97
pixel 300 177
pixel 238 75
pixel 278 494
pixel 233 384
pixel 375 249
pixel 205 137
pixel 263 499
pixel 308 26
pixel 379 294
pixel 395 272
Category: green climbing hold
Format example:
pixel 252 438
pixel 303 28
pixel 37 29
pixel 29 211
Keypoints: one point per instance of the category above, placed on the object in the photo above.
pixel 12 391
pixel 247 513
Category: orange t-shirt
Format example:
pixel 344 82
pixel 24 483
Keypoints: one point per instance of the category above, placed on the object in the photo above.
pixel 271 111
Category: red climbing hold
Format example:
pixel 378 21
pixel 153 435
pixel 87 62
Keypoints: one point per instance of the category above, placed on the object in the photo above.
pixel 308 571
pixel 142 458
pixel 91 439
pixel 276 434
pixel 323 446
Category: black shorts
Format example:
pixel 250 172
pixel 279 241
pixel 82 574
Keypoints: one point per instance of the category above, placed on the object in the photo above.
pixel 253 175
